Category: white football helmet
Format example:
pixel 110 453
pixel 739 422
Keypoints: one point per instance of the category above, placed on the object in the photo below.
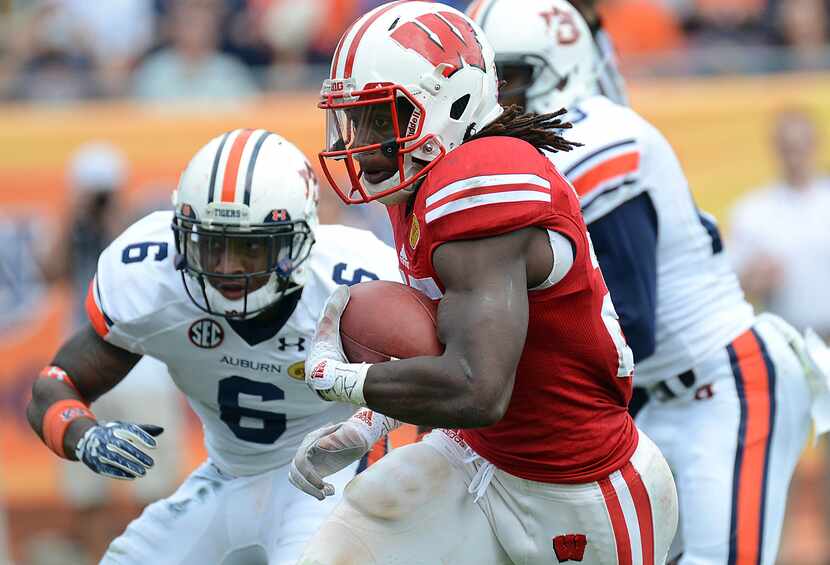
pixel 409 81
pixel 551 63
pixel 246 212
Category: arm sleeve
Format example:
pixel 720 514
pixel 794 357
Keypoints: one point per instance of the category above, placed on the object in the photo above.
pixel 606 176
pixel 111 302
pixel 625 242
pixel 129 282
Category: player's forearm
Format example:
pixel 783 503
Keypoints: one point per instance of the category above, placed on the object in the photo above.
pixel 46 392
pixel 432 391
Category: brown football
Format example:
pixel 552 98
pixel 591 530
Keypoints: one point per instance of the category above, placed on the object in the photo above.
pixel 386 319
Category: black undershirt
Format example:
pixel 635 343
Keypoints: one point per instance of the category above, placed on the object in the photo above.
pixel 269 323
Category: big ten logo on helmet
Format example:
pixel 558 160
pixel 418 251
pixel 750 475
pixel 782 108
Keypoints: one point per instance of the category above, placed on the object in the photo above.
pixel 206 333
pixel 567 31
pixel 442 38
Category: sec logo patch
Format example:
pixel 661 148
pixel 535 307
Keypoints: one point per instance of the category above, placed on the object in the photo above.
pixel 297 371
pixel 206 333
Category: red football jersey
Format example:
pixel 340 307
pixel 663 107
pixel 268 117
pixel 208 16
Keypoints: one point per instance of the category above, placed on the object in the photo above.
pixel 567 420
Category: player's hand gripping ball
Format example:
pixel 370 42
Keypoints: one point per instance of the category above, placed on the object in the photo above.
pixel 386 320
pixel 370 322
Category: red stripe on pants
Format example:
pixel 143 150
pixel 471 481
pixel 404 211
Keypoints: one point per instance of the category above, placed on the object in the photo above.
pixel 612 503
pixel 642 504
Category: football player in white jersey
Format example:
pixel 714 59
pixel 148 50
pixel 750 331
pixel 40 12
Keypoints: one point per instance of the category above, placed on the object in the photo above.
pixel 609 79
pixel 729 401
pixel 226 290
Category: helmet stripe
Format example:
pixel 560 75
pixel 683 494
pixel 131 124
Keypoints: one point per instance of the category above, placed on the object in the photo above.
pixel 232 166
pixel 249 176
pixel 215 169
pixel 336 59
pixel 361 32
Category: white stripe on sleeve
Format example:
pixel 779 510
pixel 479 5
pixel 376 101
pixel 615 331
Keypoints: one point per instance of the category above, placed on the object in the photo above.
pixel 484 199
pixel 486 180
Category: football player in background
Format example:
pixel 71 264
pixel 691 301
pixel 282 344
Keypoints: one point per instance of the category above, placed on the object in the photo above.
pixel 535 446
pixel 729 401
pixel 98 173
pixel 610 81
pixel 228 299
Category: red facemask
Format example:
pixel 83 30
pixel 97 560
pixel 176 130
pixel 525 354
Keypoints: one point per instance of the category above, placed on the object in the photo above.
pixel 369 133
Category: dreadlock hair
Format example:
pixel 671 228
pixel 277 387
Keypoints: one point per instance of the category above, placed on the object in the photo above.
pixel 540 130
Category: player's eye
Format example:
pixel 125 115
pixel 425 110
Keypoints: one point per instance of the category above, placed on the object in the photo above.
pixel 215 244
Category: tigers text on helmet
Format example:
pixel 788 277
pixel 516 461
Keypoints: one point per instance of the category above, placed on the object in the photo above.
pixel 552 63
pixel 409 80
pixel 245 216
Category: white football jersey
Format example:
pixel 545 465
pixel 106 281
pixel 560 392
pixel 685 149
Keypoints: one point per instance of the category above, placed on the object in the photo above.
pixel 251 397
pixel 700 304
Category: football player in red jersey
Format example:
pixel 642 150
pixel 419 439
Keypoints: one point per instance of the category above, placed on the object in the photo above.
pixel 535 453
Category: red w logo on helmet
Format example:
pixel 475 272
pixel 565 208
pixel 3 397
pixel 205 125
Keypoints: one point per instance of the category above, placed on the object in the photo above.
pixel 442 38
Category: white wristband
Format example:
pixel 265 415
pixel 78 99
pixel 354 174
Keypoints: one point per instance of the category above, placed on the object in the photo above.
pixel 339 381
pixel 374 425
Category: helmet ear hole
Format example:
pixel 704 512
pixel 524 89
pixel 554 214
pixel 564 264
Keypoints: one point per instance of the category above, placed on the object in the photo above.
pixel 459 106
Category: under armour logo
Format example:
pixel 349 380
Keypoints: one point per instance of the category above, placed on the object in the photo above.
pixel 280 215
pixel 300 345
pixel 570 547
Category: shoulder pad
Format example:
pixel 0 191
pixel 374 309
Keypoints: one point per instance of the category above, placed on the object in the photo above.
pixel 346 255
pixel 497 185
pixel 607 169
pixel 136 274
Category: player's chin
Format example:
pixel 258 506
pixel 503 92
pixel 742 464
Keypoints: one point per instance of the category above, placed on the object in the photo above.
pixel 229 290
pixel 237 289
pixel 377 177
pixel 232 293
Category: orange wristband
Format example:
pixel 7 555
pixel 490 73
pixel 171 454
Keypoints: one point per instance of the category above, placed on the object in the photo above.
pixel 55 372
pixel 58 418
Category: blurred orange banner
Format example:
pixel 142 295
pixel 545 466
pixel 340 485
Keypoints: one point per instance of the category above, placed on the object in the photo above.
pixel 720 129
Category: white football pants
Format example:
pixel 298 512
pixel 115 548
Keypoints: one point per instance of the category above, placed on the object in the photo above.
pixel 417 506
pixel 733 441
pixel 216 519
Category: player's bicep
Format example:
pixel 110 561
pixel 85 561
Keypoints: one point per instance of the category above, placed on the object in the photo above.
pixel 483 316
pixel 94 365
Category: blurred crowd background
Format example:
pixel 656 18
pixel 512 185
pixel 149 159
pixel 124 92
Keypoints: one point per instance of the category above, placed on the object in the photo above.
pixel 103 102
pixel 65 50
